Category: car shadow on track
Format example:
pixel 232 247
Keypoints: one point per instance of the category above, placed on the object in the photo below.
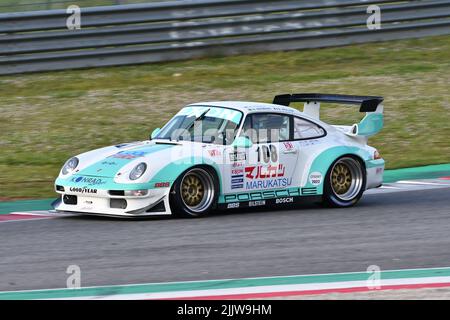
pixel 304 207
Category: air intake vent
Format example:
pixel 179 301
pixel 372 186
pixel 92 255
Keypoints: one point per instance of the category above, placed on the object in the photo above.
pixel 158 208
pixel 117 192
pixel 70 199
pixel 118 203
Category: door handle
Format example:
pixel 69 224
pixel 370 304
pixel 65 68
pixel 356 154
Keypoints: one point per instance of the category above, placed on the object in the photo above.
pixel 293 151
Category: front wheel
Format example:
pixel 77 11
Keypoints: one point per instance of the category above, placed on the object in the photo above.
pixel 194 193
pixel 344 183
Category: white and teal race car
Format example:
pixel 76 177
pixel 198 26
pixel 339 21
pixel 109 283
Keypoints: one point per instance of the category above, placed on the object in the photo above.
pixel 230 154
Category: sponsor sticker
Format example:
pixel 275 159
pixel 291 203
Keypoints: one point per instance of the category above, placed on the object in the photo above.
pixel 83 190
pixel 237 171
pixel 109 163
pixel 238 164
pixel 89 181
pixel 237 181
pixel 284 200
pixel 263 172
pixel 270 194
pixel 268 183
pixel 129 154
pixel 214 153
pixel 288 145
pixel 315 178
pixel 233 205
pixel 238 156
pixel 257 203
pixel 162 184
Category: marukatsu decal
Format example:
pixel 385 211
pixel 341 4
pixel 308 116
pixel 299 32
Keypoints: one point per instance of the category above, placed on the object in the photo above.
pixel 82 190
pixel 268 184
pixel 238 156
pixel 284 200
pixel 129 154
pixel 257 203
pixel 89 181
pixel 315 178
pixel 264 172
pixel 270 194
pixel 162 184
pixel 379 171
pixel 233 205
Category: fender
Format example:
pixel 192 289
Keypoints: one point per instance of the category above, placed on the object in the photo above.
pixel 324 160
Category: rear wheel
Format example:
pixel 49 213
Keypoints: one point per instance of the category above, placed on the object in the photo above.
pixel 345 182
pixel 194 193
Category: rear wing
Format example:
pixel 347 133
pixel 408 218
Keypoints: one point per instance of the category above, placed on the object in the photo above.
pixel 370 125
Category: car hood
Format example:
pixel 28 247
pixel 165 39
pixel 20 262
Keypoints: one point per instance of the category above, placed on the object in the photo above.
pixel 117 157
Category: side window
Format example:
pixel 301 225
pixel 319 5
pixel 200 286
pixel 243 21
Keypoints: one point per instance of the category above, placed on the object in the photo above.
pixel 306 130
pixel 268 127
pixel 247 130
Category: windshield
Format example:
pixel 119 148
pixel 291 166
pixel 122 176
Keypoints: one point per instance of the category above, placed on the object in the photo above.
pixel 203 124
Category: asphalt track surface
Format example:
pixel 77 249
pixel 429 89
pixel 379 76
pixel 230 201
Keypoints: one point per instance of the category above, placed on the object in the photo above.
pixel 397 230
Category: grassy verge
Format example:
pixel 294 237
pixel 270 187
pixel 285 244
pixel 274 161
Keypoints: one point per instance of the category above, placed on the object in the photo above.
pixel 45 118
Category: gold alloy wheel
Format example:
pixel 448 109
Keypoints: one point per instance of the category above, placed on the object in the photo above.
pixel 192 190
pixel 347 179
pixel 341 178
pixel 197 190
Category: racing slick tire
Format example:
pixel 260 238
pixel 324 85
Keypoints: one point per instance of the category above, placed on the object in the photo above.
pixel 194 194
pixel 345 182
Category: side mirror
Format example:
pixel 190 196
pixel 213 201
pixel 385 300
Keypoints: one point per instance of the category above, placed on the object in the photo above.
pixel 242 142
pixel 155 133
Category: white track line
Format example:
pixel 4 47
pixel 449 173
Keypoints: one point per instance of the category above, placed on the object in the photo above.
pixel 413 182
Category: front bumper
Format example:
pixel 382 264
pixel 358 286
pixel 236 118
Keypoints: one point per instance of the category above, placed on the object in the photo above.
pixel 155 203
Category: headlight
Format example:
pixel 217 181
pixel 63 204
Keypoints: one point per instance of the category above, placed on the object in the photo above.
pixel 70 165
pixel 138 171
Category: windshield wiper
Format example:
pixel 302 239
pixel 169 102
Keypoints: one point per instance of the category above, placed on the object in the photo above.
pixel 199 118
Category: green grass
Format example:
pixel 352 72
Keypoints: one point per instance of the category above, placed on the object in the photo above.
pixel 33 5
pixel 45 118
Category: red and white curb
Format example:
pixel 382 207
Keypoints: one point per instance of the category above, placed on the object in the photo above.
pixel 251 288
pixel 283 291
pixel 21 216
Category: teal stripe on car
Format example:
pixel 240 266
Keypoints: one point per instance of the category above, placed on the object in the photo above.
pixel 167 174
pixel 324 160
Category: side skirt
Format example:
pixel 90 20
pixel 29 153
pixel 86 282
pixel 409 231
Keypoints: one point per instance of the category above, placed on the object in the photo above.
pixel 274 202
